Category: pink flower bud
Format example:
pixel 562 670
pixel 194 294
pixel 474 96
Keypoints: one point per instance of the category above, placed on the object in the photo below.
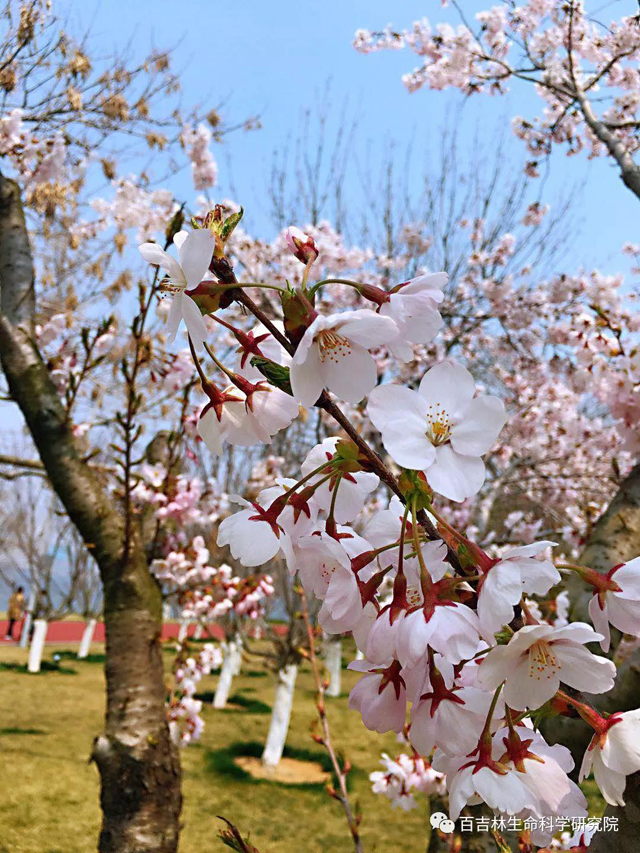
pixel 301 245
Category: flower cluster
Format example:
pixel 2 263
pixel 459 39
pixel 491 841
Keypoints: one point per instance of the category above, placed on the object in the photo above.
pixel 405 776
pixel 555 46
pixel 183 709
pixel 452 637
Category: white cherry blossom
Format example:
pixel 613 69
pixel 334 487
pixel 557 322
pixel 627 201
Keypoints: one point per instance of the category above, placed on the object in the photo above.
pixel 518 571
pixel 195 250
pixel 414 308
pixel 333 354
pixel 441 429
pixel 613 755
pixel 352 488
pixel 380 696
pixel 621 607
pixel 539 657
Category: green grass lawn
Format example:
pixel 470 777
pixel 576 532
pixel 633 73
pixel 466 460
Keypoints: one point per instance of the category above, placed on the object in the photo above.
pixel 49 791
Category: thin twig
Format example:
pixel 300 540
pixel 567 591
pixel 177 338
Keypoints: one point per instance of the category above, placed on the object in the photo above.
pixel 341 775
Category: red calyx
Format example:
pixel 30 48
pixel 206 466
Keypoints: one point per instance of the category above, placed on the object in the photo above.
pixel 217 398
pixel 374 294
pixel 518 750
pixel 439 690
pixel 249 344
pixel 391 675
pixel 270 515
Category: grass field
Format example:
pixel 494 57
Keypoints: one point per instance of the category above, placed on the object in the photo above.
pixel 49 791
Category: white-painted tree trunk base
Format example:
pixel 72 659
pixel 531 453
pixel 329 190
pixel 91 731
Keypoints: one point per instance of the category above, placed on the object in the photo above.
pixel 182 633
pixel 87 639
pixel 37 644
pixel 237 655
pixel 280 716
pixel 225 679
pixel 197 634
pixel 333 663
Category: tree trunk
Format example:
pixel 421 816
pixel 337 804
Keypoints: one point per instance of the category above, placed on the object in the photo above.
pixel 333 663
pixel 138 763
pixel 87 638
pixel 37 645
pixel 237 655
pixel 228 670
pixel 280 716
pixel 615 539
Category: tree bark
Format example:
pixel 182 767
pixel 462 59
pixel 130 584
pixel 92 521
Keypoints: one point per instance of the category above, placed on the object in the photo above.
pixel 138 763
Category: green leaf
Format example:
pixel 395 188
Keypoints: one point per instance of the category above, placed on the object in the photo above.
pixel 276 374
pixel 230 224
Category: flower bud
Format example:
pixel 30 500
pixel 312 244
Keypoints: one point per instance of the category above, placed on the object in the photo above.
pixel 301 245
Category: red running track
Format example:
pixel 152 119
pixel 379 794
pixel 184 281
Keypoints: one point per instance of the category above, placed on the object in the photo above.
pixel 71 632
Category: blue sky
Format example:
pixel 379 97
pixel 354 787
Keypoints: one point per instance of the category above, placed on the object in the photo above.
pixel 274 59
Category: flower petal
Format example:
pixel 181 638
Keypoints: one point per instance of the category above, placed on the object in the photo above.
pixel 350 374
pixel 448 384
pixel 306 377
pixel 479 426
pixel 154 254
pixel 454 476
pixel 195 256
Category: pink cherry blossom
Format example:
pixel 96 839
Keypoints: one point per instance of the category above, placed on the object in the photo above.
pixel 379 696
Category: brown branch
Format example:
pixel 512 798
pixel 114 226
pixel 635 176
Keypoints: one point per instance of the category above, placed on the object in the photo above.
pixel 17 462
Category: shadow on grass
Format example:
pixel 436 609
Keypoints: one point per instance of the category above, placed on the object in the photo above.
pixel 256 673
pixel 243 703
pixel 45 666
pixel 98 657
pixel 222 762
pixel 16 730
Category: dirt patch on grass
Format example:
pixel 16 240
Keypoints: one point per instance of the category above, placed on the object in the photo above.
pixel 290 771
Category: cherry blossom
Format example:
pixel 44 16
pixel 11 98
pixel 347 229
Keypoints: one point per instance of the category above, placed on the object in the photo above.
pixel 403 777
pixel 301 245
pixel 253 534
pixel 447 626
pixel 619 606
pixel 613 754
pixel 517 572
pixel 379 696
pixel 538 657
pixel 413 308
pixel 334 354
pixel 195 250
pixel 440 429
pixel 352 488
